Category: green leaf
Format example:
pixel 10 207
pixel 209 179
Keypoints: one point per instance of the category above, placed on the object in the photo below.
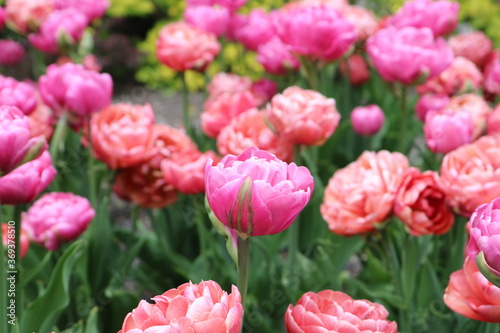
pixel 92 322
pixel 41 315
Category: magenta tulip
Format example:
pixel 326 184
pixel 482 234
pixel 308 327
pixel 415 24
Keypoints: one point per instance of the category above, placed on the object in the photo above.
pixel 447 130
pixel 255 193
pixel 11 52
pixel 19 94
pixel 208 18
pixel 252 30
pixel 367 120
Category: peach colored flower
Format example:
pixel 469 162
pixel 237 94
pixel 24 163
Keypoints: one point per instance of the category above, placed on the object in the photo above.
pixel 364 20
pixel 476 106
pixel 470 294
pixel 41 121
pixel 250 130
pixel 181 46
pixel 8 237
pixel 27 15
pixel 360 196
pixel 303 116
pixel 474 45
pixel 470 175
pixel 228 83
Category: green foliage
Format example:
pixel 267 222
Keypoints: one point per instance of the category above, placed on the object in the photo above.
pixel 483 15
pixel 121 8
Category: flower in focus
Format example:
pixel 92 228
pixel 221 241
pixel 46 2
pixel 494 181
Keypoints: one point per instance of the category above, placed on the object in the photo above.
pixel 263 90
pixel 492 73
pixel 303 116
pixel 11 52
pixel 27 15
pixel 122 135
pixel 8 237
pixel 56 218
pixel 485 238
pixel 257 194
pixel 446 130
pixel 493 123
pixel 421 204
pixel 476 106
pixel 252 30
pixel 181 46
pixel 61 29
pixel 208 18
pixel 276 57
pixel 19 94
pixel 92 9
pixel 474 45
pixel 440 16
pixel 430 102
pixel 470 294
pixel 334 311
pixel 228 83
pixel 25 183
pixel 364 21
pixel 250 130
pixel 357 68
pixel 413 49
pixel 367 120
pixel 319 32
pixel 470 174
pixel 360 197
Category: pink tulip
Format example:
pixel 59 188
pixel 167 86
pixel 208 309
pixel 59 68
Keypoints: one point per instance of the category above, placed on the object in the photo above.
pixel 56 218
pixel 367 120
pixel 359 198
pixel 257 194
pixel 228 83
pixel 19 94
pixel 61 29
pixel 493 124
pixel 409 54
pixel 181 46
pixel 492 73
pixel 196 308
pixel 263 90
pixel 27 15
pixel 252 30
pixel 92 9
pixel 335 4
pixel 446 130
pixel 25 183
pixel 11 52
pixel 15 140
pixel 303 116
pixel 8 238
pixel 358 69
pixel 476 106
pixel 232 5
pixel 471 295
pixel 364 21
pixel 485 237
pixel 474 45
pixel 430 102
pixel 470 174
pixel 318 32
pixel 277 57
pixel 250 129
pixel 440 16
pixel 334 311
pixel 208 18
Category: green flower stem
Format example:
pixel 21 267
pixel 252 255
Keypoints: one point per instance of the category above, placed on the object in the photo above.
pixel 3 286
pixel 59 137
pixel 243 267
pixel 185 107
pixel 91 173
pixel 403 125
pixel 310 72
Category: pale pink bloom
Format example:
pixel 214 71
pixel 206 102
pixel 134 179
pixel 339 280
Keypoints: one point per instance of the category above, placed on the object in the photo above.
pixel 251 130
pixel 27 15
pixel 276 57
pixel 122 134
pixel 42 122
pixel 56 218
pixel 8 237
pixel 15 139
pixel 462 76
pixel 19 94
pixel 409 54
pixel 440 16
pixel 303 116
pixel 11 52
pixel 367 120
pixel 430 102
pixel 218 111
pixel 476 106
pixel 263 90
pixel 492 73
pixel 365 22
pixel 470 174
pixel 208 18
pixel 196 308
pixel 358 69
pixel 252 30
pixel 474 45
pixel 493 123
pixel 181 46
pixel 228 83
pixel 25 183
pixel 334 311
pixel 92 9
pixel 470 294
pixel 257 194
pixel 446 130
pixel 318 32
pixel 360 197
pixel 61 28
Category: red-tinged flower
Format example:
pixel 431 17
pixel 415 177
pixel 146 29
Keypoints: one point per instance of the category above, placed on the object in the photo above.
pixel 357 68
pixel 474 45
pixel 41 122
pixel 492 73
pixel 8 238
pixel 359 198
pixel 334 311
pixel 257 194
pixel 263 90
pixel 27 15
pixel 197 308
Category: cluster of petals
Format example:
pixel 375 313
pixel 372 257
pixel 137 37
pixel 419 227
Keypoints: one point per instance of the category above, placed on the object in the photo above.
pixel 334 311
pixel 474 45
pixel 213 19
pixel 364 20
pixel 492 73
pixel 448 129
pixel 56 218
pixel 361 196
pixel 92 9
pixel 476 106
pixel 429 102
pixel 196 308
pixel 252 30
pixel 470 174
pixel 27 15
pixel 11 52
pixel 19 94
pixel 276 57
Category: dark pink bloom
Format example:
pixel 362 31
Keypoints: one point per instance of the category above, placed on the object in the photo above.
pixel 208 18
pixel 367 120
pixel 359 72
pixel 11 52
pixel 92 9
pixel 232 5
pixel 263 90
pixel 3 17
pixel 492 73
pixel 19 94
pixel 430 102
pixel 446 130
pixel 252 30
pixel 276 57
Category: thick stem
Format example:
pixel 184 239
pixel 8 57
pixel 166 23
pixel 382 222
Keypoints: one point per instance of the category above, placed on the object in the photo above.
pixel 185 107
pixel 403 125
pixel 243 267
